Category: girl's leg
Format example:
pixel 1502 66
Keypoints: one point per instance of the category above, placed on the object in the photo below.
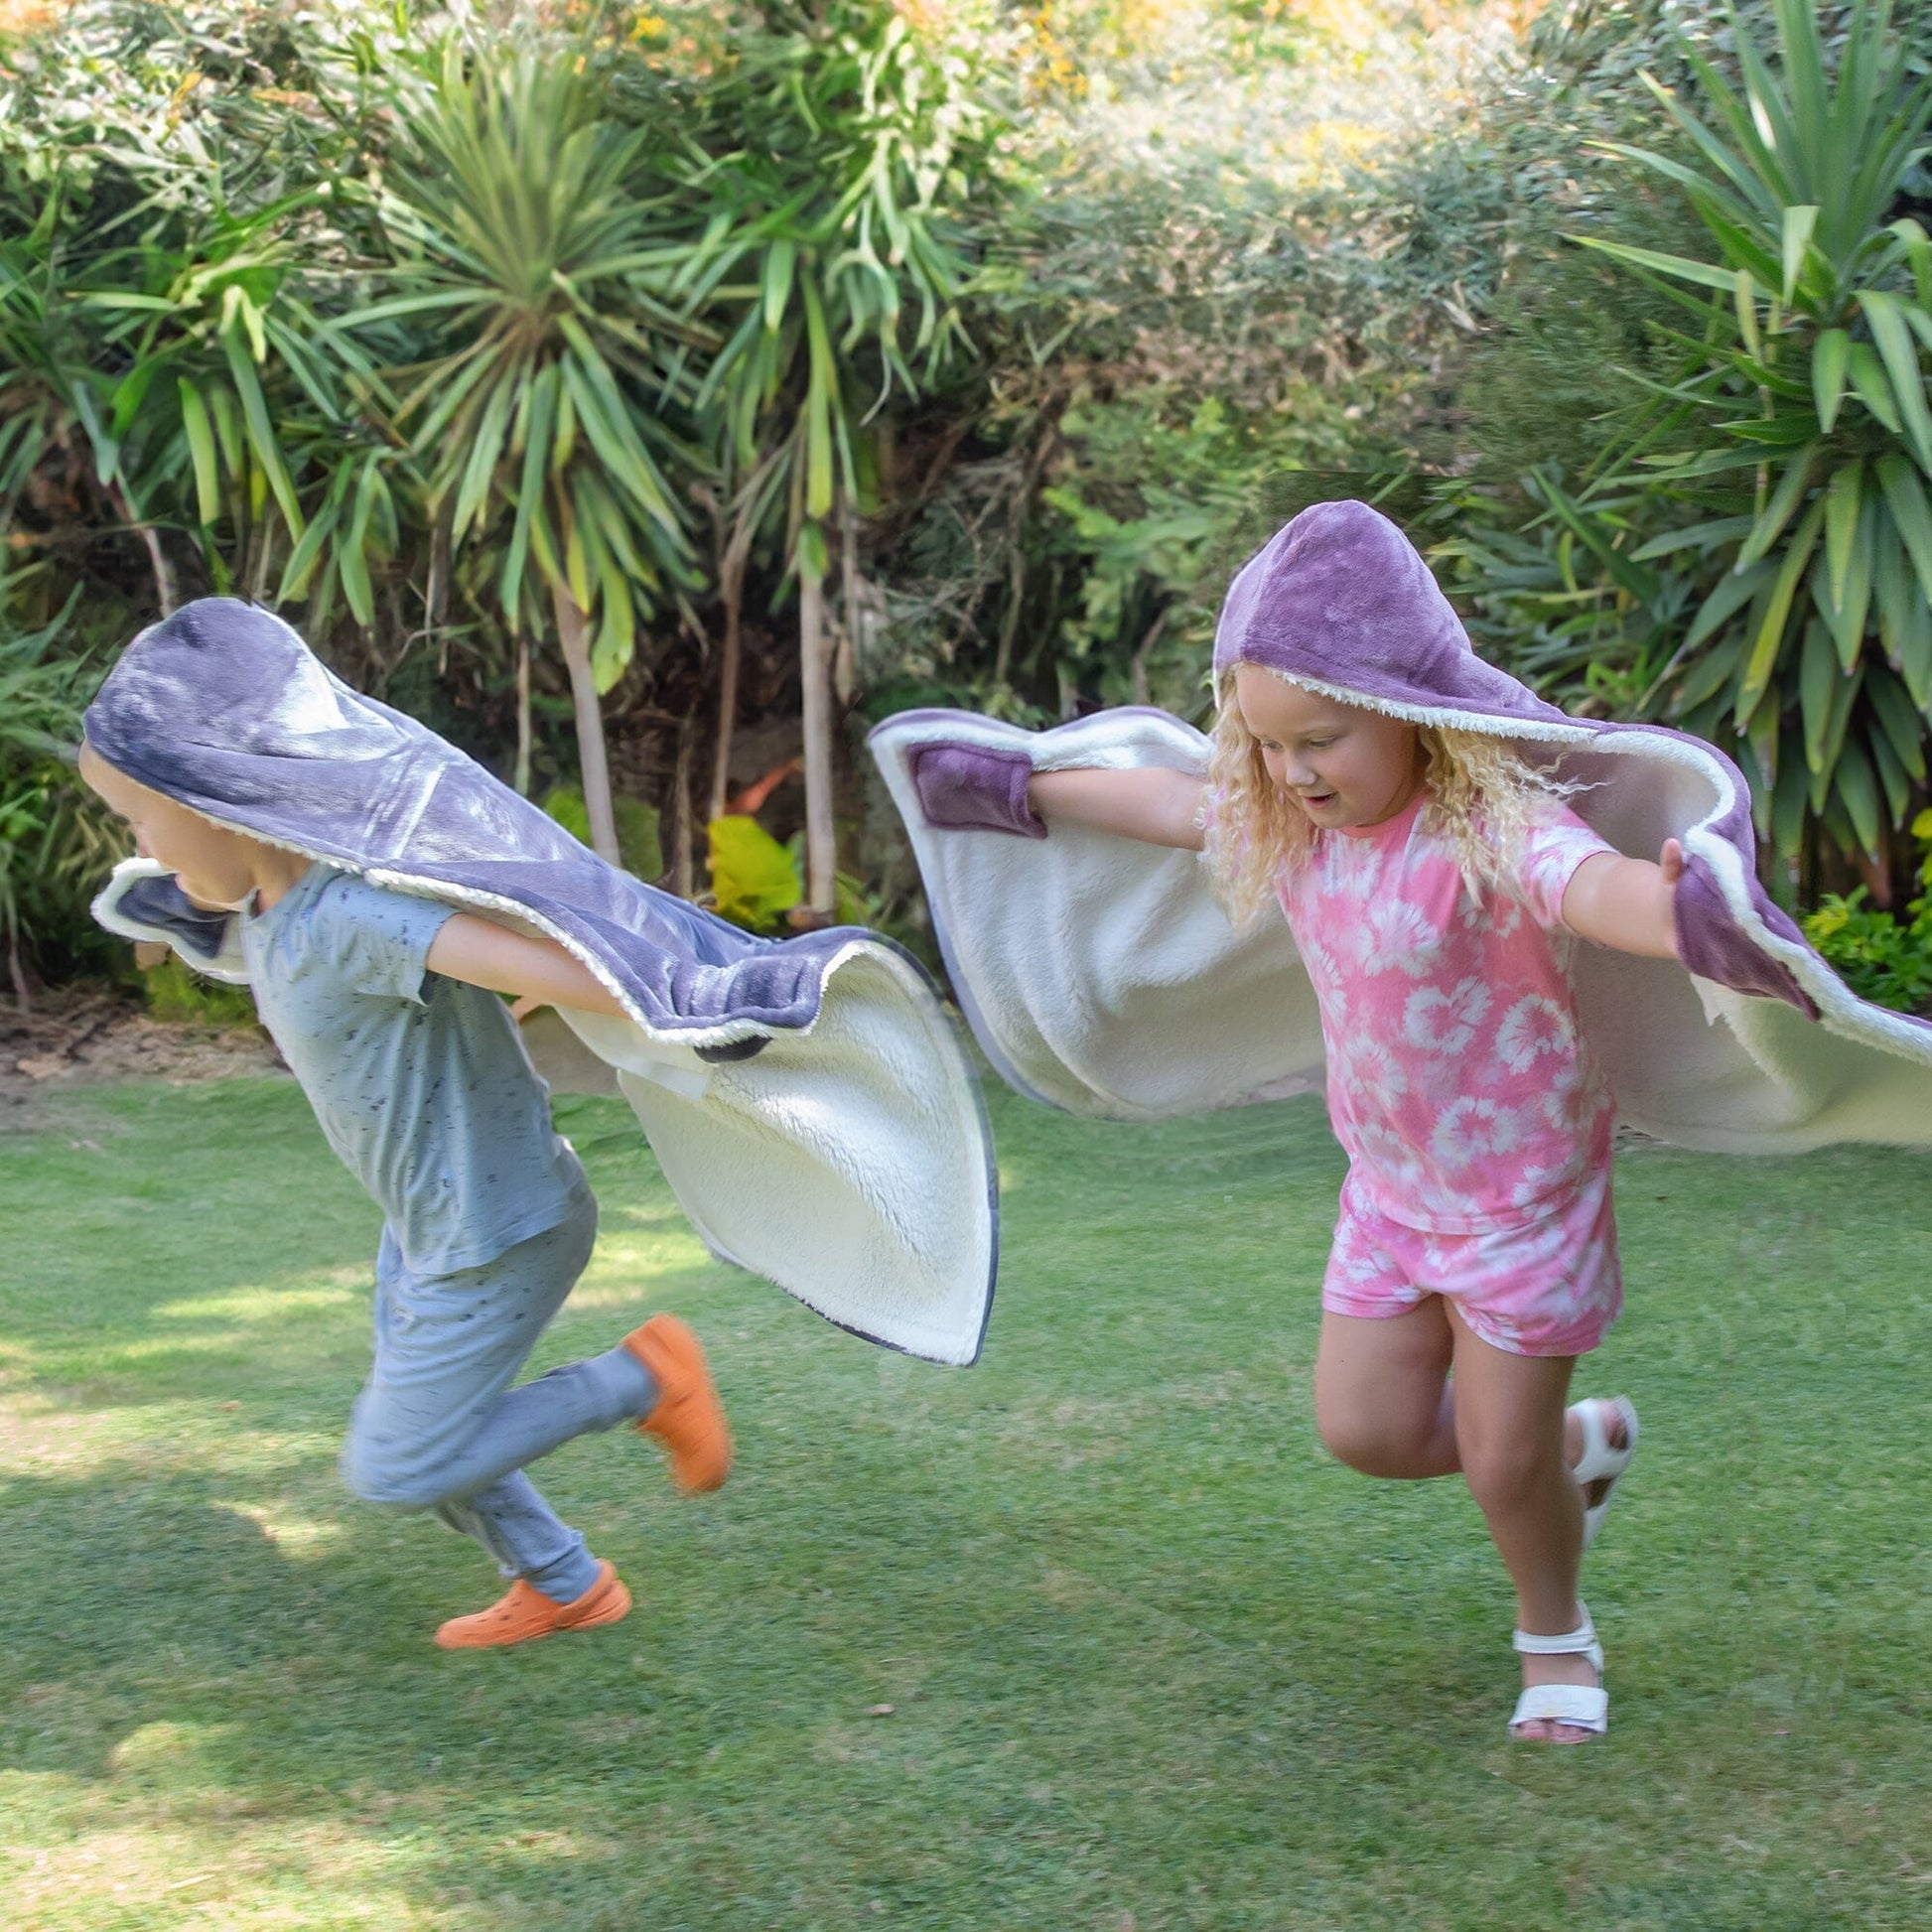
pixel 1382 1396
pixel 1510 1432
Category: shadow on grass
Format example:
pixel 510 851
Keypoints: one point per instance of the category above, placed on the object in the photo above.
pixel 282 1345
pixel 922 1705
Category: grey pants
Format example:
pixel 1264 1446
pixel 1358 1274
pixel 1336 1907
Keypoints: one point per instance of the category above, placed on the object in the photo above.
pixel 437 1425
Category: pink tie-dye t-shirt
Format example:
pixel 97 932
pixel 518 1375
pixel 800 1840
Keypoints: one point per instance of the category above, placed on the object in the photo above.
pixel 1458 1079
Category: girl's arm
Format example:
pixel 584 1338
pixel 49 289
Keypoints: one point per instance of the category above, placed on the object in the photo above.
pixel 482 953
pixel 1154 804
pixel 1626 902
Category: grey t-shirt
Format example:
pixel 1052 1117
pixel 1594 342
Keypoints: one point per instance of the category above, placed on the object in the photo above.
pixel 420 1082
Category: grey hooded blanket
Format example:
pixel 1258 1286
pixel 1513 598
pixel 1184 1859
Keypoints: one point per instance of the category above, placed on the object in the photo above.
pixel 809 1100
pixel 1100 975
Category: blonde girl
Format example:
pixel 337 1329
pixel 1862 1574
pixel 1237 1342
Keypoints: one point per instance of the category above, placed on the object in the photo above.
pixel 1392 795
pixel 1434 883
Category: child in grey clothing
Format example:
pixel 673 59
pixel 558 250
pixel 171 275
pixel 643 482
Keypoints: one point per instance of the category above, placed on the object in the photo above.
pixel 386 1007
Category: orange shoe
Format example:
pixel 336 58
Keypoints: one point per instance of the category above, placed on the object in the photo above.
pixel 523 1615
pixel 689 1419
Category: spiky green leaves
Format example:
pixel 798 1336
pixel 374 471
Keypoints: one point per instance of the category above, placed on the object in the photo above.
pixel 537 267
pixel 1792 451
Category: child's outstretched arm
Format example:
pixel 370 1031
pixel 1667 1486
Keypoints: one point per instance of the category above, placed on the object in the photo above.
pixel 483 953
pixel 1626 902
pixel 1154 804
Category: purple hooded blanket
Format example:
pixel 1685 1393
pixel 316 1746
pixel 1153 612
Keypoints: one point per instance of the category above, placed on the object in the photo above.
pixel 809 1099
pixel 1101 975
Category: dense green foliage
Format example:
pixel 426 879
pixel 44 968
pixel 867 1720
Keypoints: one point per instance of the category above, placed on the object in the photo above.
pixel 54 844
pixel 500 326
pixel 1749 554
pixel 708 378
pixel 1881 958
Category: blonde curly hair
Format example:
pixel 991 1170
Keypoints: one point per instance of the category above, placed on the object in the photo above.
pixel 1483 794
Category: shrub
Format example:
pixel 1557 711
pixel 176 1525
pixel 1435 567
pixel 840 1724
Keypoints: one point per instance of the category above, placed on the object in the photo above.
pixel 1751 555
pixel 754 881
pixel 1881 958
pixel 54 838
pixel 639 844
pixel 175 991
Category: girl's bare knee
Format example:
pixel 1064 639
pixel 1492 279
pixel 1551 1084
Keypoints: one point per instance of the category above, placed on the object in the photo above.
pixel 1368 1447
pixel 1504 1475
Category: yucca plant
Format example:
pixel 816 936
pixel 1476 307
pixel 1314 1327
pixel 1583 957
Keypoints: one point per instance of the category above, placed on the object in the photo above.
pixel 835 259
pixel 208 393
pixel 54 840
pixel 56 414
pixel 1768 519
pixel 533 259
pixel 236 405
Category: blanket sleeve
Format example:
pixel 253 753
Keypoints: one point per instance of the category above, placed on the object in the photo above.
pixel 142 901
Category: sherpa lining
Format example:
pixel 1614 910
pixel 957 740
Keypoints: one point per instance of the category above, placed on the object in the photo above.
pixel 1101 976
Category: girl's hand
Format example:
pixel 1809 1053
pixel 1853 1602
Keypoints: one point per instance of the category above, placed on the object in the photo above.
pixel 1670 862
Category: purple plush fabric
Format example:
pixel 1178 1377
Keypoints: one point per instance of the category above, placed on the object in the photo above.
pixel 1709 942
pixel 970 787
pixel 1339 598
pixel 223 707
pixel 851 1162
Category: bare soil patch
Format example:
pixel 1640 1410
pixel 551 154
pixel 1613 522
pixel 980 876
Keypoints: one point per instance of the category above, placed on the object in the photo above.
pixel 81 1035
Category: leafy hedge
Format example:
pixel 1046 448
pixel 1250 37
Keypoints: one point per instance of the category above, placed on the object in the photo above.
pixel 666 373
pixel 1740 542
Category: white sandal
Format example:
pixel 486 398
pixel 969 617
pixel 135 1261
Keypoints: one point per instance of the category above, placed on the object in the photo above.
pixel 1600 1463
pixel 1584 1706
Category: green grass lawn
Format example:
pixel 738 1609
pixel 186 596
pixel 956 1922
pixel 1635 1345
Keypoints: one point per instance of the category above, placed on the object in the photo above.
pixel 1152 1660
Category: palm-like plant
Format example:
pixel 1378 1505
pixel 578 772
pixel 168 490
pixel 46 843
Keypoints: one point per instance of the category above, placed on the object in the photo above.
pixel 236 403
pixel 54 390
pixel 535 267
pixel 51 839
pixel 176 336
pixel 1791 456
pixel 833 255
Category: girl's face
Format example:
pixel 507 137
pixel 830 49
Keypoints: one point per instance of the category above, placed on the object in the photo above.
pixel 1343 765
pixel 211 864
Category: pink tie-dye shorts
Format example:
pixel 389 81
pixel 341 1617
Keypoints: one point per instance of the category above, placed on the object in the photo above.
pixel 1549 1289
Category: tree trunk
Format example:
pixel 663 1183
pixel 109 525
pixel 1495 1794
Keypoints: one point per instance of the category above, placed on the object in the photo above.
pixel 163 578
pixel 732 589
pixel 573 632
pixel 815 683
pixel 734 560
pixel 684 865
pixel 16 972
pixel 522 777
pixel 845 664
pixel 1874 867
pixel 1138 669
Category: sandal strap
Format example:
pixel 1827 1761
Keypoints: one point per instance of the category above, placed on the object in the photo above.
pixel 1598 1460
pixel 1586 1705
pixel 1579 1642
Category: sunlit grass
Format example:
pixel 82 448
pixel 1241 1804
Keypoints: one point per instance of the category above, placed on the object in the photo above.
pixel 1151 1658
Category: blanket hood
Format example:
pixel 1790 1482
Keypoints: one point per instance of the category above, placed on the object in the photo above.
pixel 810 1099
pixel 1338 600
